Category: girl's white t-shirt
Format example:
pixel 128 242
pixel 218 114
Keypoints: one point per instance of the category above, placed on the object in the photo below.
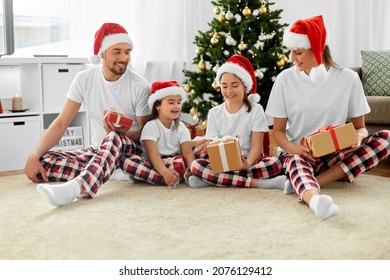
pixel 221 123
pixel 168 139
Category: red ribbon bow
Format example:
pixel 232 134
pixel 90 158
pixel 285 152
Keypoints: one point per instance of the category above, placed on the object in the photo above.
pixel 333 134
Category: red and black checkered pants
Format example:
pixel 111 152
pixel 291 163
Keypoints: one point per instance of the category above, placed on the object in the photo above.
pixel 92 167
pixel 303 174
pixel 264 167
pixel 142 169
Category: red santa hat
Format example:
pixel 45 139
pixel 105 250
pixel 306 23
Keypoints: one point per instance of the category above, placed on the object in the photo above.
pixel 108 35
pixel 243 69
pixel 163 89
pixel 311 34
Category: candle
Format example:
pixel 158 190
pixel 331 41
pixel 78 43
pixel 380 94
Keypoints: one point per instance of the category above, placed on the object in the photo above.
pixel 17 103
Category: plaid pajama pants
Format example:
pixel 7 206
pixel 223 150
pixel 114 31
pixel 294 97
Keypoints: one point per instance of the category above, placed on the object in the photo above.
pixel 264 167
pixel 93 167
pixel 142 169
pixel 302 173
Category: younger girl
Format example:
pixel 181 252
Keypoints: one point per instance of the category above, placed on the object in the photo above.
pixel 165 141
pixel 244 117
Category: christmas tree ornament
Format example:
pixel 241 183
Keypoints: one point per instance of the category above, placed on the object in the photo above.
pixel 215 68
pixel 202 65
pixel 217 10
pixel 204 124
pixel 199 50
pixel 221 18
pixel 242 46
pixel 259 74
pixel 246 11
pixel 230 41
pixel 193 111
pixel 229 15
pixel 280 63
pixel 262 9
pixel 214 85
pixel 284 57
pixel 214 40
pixel 187 87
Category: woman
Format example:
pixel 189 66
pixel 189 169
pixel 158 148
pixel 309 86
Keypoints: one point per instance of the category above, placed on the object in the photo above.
pixel 313 94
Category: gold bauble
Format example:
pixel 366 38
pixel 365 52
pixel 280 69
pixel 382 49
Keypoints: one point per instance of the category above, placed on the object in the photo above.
pixel 217 35
pixel 214 41
pixel 193 111
pixel 284 58
pixel 201 65
pixel 187 87
pixel 217 10
pixel 280 63
pixel 204 124
pixel 198 51
pixel 214 85
pixel 262 9
pixel 246 11
pixel 242 46
pixel 221 17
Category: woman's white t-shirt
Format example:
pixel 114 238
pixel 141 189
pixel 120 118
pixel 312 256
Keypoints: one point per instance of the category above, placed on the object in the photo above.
pixel 309 105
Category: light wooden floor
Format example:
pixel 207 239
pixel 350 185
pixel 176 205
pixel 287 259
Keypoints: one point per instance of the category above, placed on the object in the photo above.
pixel 383 169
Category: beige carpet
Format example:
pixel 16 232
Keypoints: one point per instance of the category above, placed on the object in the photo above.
pixel 147 222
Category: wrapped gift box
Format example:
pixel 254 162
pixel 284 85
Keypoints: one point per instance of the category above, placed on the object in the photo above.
pixel 331 139
pixel 196 131
pixel 118 119
pixel 224 155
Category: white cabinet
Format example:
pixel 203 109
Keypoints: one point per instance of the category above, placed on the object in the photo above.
pixel 42 83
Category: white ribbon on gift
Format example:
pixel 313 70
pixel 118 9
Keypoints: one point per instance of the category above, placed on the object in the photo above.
pixel 118 118
pixel 221 148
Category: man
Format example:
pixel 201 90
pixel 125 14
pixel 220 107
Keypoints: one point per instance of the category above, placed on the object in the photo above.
pixel 112 84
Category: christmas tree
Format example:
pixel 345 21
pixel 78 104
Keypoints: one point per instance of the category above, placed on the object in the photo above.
pixel 246 27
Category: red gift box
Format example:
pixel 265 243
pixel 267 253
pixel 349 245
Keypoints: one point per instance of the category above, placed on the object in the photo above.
pixel 176 163
pixel 118 119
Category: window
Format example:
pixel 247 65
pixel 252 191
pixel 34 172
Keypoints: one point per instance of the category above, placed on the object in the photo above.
pixel 41 27
pixel 6 28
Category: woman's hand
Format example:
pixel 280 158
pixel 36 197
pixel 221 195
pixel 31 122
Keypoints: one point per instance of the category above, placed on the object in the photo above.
pixel 301 149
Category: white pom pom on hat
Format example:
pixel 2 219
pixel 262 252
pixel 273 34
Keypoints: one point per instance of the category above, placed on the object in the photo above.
pixel 106 36
pixel 241 67
pixel 161 89
pixel 311 34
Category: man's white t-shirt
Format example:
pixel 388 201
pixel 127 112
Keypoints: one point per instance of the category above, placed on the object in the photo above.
pixel 128 95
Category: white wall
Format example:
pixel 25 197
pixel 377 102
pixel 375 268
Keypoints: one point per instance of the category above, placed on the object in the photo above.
pixel 354 25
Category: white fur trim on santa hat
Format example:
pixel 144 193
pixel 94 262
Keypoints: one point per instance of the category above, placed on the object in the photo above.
pixel 160 94
pixel 237 70
pixel 114 39
pixel 295 40
pixel 319 73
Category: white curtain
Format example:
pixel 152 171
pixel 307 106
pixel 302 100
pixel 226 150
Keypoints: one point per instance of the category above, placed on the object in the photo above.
pixel 163 31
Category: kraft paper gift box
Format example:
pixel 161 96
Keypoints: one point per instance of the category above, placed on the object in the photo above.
pixel 331 139
pixel 224 155
pixel 118 119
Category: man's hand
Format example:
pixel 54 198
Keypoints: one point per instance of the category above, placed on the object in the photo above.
pixel 33 168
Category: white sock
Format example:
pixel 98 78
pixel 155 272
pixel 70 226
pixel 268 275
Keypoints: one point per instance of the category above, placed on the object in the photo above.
pixel 323 206
pixel 119 175
pixel 196 182
pixel 273 183
pixel 288 187
pixel 61 194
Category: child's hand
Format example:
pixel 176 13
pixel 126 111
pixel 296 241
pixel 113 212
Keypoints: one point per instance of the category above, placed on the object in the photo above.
pixel 202 147
pixel 171 177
